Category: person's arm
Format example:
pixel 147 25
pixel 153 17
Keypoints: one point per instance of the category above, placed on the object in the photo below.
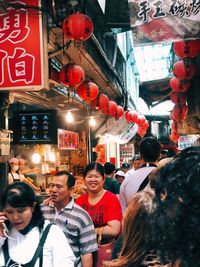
pixel 87 260
pixel 111 229
pixel 122 197
pixel 10 178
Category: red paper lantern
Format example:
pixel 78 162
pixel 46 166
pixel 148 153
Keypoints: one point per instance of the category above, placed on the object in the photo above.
pixel 171 115
pixel 179 85
pixel 112 108
pixel 128 117
pixel 184 69
pixel 78 27
pixel 103 101
pixel 141 120
pixel 88 90
pixel 174 126
pixel 134 116
pixel 178 97
pixel 145 125
pixel 179 112
pixel 187 49
pixel 100 102
pixel 119 112
pixel 174 136
pixel 141 132
pixel 131 116
pixel 72 75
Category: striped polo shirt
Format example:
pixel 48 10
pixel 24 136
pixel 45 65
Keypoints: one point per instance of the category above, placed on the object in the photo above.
pixel 77 226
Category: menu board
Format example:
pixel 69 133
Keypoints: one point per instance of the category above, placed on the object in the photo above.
pixel 39 127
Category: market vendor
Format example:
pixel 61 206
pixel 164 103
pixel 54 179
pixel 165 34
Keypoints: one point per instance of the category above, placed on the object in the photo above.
pixel 24 178
pixel 13 175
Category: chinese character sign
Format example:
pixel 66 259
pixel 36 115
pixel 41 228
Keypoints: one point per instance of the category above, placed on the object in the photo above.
pixel 67 139
pixel 164 20
pixel 21 47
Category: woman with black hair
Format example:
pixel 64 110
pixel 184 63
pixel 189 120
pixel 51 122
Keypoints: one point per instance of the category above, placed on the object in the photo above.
pixel 26 239
pixel 176 220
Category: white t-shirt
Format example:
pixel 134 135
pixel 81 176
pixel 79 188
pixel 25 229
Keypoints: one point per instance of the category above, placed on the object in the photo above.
pixel 131 184
pixel 56 250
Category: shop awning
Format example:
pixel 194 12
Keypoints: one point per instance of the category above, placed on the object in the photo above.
pixel 118 131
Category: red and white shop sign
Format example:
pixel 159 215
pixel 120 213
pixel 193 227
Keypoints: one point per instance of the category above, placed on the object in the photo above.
pixel 67 139
pixel 22 64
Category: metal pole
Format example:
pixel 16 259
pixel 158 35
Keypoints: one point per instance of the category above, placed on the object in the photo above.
pixel 89 142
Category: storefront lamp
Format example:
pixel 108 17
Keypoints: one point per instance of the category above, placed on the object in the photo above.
pixel 69 117
pixel 92 121
pixel 36 158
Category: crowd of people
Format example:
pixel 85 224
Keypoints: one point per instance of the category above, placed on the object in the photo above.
pixel 157 201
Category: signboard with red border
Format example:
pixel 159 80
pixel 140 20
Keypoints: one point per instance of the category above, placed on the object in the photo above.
pixel 67 139
pixel 22 47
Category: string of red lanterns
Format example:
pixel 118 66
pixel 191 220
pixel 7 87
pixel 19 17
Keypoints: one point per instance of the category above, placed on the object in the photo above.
pixel 183 70
pixel 78 27
pixel 132 116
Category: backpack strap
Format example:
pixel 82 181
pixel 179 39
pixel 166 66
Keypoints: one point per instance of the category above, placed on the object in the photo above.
pixel 39 250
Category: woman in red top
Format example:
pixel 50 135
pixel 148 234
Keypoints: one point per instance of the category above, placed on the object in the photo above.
pixel 103 206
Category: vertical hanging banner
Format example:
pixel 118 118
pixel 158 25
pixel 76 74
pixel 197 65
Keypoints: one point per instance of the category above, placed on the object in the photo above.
pixel 160 21
pixel 23 47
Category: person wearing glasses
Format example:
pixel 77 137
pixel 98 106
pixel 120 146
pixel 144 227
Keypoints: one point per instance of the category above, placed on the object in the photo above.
pixel 74 221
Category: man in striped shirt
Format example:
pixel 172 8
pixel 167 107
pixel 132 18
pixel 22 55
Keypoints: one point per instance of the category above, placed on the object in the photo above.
pixel 74 221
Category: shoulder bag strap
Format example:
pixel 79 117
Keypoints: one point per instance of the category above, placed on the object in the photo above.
pixel 5 251
pixel 144 183
pixel 100 235
pixel 39 250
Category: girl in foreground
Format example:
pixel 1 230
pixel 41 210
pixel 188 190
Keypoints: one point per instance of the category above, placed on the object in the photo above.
pixel 21 228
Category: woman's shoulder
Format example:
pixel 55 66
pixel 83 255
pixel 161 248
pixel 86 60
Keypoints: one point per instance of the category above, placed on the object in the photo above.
pixel 81 198
pixel 54 229
pixel 110 195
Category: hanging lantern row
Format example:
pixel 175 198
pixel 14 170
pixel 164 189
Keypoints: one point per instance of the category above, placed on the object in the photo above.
pixel 72 76
pixel 108 107
pixel 183 71
pixel 132 116
pixel 77 27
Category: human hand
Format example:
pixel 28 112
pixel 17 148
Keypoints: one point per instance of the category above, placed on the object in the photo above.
pixel 3 228
pixel 47 200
